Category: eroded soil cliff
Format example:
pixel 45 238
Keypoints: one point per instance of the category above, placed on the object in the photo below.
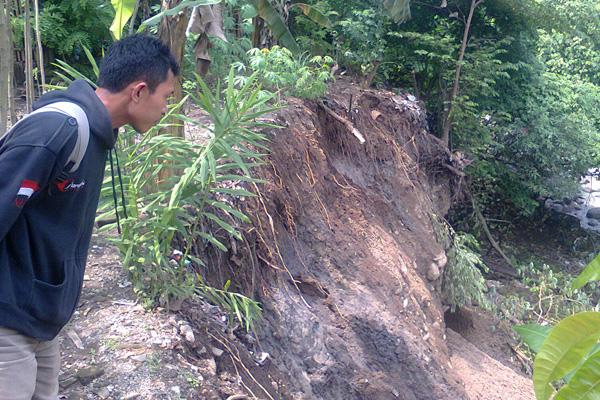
pixel 343 257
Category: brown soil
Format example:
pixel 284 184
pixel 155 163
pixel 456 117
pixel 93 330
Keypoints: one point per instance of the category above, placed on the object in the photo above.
pixel 338 254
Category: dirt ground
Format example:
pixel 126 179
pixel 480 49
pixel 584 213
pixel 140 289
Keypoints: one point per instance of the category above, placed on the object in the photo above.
pixel 114 348
pixel 343 244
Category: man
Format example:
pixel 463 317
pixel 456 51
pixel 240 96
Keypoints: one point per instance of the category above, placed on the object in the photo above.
pixel 45 224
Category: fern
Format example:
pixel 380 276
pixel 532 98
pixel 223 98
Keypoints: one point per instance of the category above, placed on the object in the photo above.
pixel 463 282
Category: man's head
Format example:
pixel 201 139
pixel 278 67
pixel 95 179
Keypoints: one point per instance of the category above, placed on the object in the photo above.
pixel 136 58
pixel 137 75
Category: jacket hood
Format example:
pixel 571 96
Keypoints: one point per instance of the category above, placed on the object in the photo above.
pixel 82 93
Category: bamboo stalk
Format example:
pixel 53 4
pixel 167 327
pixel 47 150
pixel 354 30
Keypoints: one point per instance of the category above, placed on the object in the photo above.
pixel 28 59
pixel 40 52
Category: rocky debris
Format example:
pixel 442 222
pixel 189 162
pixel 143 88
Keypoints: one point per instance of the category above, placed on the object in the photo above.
pixel 585 207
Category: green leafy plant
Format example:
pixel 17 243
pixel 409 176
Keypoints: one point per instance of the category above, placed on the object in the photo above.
pixel 568 352
pixel 463 282
pixel 279 69
pixel 175 10
pixel 194 195
pixel 68 73
pixel 123 12
pixel 241 308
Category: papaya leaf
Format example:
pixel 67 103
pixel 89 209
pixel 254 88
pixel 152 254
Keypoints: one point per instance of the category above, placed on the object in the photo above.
pixel 276 24
pixel 585 384
pixel 590 273
pixel 533 335
pixel 314 14
pixel 567 343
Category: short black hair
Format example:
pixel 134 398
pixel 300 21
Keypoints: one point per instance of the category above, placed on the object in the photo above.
pixel 136 58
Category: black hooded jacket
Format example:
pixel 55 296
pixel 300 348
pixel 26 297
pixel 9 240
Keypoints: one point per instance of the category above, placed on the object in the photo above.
pixel 46 225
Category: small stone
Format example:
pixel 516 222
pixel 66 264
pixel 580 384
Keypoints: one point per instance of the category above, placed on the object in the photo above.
pixel 92 372
pixel 441 260
pixel 217 352
pixel 68 382
pixel 594 212
pixel 140 357
pixel 434 272
pixel 557 207
pixel 208 367
pixel 103 393
pixel 176 389
pixel 188 333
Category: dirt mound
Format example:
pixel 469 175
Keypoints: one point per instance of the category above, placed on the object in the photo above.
pixel 345 238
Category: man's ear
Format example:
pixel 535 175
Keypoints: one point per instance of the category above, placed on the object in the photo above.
pixel 138 91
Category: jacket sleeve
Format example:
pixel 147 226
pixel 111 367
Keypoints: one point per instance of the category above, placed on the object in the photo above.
pixel 28 163
pixel 24 171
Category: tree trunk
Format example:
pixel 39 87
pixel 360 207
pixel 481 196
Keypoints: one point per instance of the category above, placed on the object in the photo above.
pixel 28 59
pixel 172 32
pixel 256 34
pixel 40 52
pixel 4 59
pixel 450 104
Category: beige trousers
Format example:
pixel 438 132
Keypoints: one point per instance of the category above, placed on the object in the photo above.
pixel 28 367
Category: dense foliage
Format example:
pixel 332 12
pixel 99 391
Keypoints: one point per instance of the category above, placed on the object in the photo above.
pixel 526 110
pixel 527 106
pixel 68 25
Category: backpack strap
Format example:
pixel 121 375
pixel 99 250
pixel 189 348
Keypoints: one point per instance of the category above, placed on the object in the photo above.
pixel 83 129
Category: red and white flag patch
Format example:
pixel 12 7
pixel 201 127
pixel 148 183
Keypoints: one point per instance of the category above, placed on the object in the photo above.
pixel 27 189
